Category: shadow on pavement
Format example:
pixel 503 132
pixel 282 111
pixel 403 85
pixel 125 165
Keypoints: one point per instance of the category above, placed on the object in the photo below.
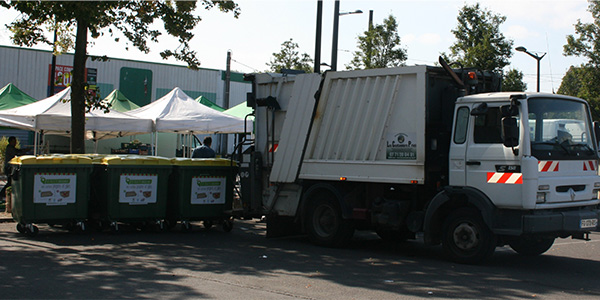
pixel 134 264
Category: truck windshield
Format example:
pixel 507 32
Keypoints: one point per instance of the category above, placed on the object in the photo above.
pixel 559 130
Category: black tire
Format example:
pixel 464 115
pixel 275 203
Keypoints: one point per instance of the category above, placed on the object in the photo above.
pixel 227 225
pixel 466 239
pixel 33 231
pixel 21 228
pixel 531 246
pixel 186 227
pixel 324 222
pixel 207 224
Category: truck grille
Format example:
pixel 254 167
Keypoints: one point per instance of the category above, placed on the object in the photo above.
pixel 565 188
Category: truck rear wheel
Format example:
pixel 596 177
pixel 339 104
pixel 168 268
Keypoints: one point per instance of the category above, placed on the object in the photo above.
pixel 325 225
pixel 531 246
pixel 466 237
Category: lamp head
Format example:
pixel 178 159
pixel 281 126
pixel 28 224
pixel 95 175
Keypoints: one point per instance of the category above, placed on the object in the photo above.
pixel 521 49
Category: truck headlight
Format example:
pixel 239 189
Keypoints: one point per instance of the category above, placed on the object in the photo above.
pixel 540 198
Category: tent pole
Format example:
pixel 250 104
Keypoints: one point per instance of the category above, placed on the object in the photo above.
pixel 35 142
pixel 156 143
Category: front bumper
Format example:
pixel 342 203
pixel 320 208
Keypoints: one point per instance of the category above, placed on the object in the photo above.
pixel 561 222
pixel 557 222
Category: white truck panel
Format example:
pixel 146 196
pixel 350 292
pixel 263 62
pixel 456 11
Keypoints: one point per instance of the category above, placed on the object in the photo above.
pixel 369 126
pixel 295 128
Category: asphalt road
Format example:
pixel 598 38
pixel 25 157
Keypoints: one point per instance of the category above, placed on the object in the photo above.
pixel 243 264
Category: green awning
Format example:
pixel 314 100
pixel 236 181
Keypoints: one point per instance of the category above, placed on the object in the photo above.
pixel 11 97
pixel 119 102
pixel 241 110
pixel 206 102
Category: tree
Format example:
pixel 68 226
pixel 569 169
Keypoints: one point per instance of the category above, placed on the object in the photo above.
pixel 290 58
pixel 513 81
pixel 479 42
pixel 379 47
pixel 583 81
pixel 587 42
pixel 94 18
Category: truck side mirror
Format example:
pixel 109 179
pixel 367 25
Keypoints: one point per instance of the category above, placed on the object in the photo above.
pixel 510 132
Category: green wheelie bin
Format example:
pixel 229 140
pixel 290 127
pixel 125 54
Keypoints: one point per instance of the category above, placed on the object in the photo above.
pixel 201 189
pixel 130 189
pixel 50 189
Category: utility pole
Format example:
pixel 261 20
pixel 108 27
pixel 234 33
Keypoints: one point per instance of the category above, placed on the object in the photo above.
pixel 317 67
pixel 334 46
pixel 53 67
pixel 224 137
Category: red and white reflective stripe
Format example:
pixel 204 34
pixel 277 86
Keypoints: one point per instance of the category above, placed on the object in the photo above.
pixel 548 166
pixel 505 178
pixel 273 148
pixel 589 165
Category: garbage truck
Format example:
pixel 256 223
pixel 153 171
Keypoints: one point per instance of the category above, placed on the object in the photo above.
pixel 420 152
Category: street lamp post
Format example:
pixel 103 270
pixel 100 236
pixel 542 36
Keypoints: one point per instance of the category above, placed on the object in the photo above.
pixel 336 20
pixel 537 58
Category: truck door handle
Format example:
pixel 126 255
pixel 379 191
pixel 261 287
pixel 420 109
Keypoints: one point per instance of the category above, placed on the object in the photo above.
pixel 473 163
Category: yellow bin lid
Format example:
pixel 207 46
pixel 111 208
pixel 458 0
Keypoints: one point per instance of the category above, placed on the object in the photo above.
pixel 220 162
pixel 135 160
pixel 64 159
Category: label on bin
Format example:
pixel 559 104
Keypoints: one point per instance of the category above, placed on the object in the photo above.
pixel 138 189
pixel 54 188
pixel 208 190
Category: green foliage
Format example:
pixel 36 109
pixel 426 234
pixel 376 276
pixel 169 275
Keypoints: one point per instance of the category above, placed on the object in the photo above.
pixel 586 42
pixel 379 47
pixel 134 19
pixel 479 42
pixel 582 82
pixel 290 58
pixel 513 81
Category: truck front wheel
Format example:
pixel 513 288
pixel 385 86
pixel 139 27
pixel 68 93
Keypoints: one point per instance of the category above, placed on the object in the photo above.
pixel 466 237
pixel 531 246
pixel 324 223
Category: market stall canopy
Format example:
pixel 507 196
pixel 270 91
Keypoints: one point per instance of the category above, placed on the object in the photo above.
pixel 119 102
pixel 11 97
pixel 203 100
pixel 53 115
pixel 178 112
pixel 241 111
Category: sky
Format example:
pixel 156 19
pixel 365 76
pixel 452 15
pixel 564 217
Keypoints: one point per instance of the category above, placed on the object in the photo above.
pixel 424 26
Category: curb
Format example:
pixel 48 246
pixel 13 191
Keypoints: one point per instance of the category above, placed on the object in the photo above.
pixel 6 220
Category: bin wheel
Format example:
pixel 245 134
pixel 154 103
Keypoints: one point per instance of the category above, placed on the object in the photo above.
pixel 186 226
pixel 228 225
pixel 159 226
pixel 31 230
pixel 114 227
pixel 207 224
pixel 21 228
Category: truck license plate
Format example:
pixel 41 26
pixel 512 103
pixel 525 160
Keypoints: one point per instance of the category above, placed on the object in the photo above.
pixel 589 223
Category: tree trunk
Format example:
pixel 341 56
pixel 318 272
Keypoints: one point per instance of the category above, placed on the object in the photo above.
pixel 78 89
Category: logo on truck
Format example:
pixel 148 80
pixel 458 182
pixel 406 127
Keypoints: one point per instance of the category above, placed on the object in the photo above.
pixel 401 146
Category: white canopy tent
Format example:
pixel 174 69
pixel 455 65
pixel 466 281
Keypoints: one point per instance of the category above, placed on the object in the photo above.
pixel 177 112
pixel 53 116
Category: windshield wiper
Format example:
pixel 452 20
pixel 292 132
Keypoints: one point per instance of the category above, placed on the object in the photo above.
pixel 583 145
pixel 555 143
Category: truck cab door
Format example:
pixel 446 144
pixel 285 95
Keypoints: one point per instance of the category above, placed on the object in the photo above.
pixel 490 166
